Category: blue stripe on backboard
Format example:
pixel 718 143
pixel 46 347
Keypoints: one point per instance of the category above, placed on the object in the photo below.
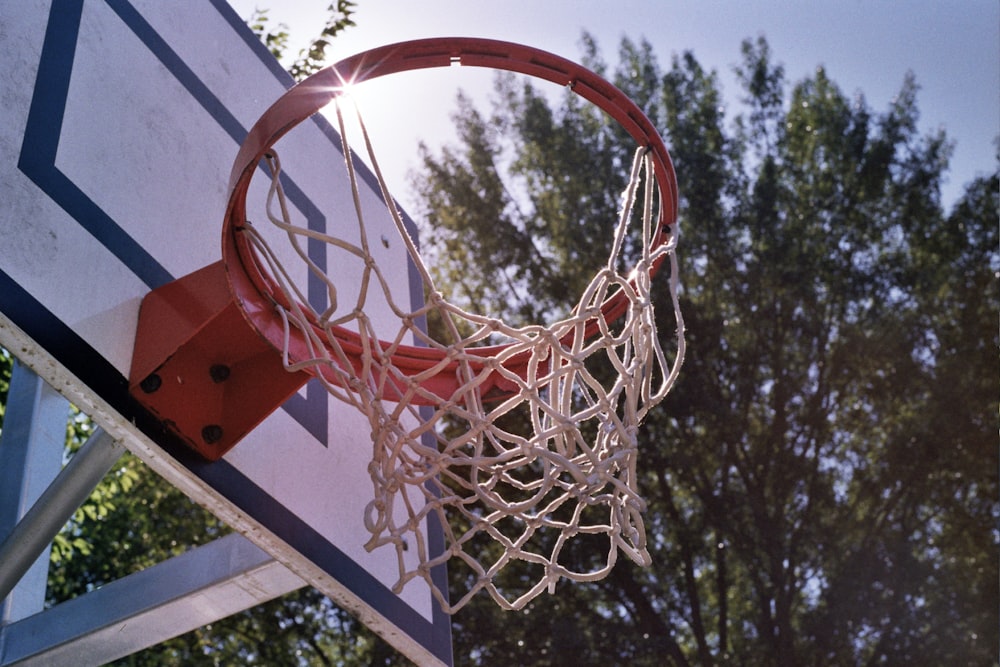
pixel 74 353
pixel 37 162
pixel 41 141
pixel 311 410
pixel 315 220
pixel 184 75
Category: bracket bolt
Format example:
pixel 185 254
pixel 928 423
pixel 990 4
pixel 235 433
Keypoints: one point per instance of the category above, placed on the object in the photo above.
pixel 219 373
pixel 211 434
pixel 151 383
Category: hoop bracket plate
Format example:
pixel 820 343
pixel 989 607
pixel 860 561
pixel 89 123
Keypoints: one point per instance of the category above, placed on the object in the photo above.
pixel 201 369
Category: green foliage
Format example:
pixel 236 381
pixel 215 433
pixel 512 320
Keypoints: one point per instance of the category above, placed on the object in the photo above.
pixel 822 484
pixel 103 500
pixel 276 41
pixel 132 520
pixel 313 58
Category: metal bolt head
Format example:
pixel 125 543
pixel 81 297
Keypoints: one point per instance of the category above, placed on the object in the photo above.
pixel 211 434
pixel 219 373
pixel 151 383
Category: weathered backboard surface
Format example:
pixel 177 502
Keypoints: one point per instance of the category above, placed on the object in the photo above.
pixel 119 122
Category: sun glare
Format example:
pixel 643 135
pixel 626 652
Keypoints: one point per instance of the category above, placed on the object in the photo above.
pixel 352 100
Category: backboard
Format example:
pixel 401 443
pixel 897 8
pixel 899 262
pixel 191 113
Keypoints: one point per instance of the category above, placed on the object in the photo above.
pixel 119 124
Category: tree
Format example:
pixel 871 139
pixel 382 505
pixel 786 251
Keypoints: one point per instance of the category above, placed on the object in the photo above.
pixel 822 484
pixel 312 58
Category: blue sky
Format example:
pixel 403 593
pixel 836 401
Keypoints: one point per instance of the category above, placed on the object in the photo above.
pixel 867 46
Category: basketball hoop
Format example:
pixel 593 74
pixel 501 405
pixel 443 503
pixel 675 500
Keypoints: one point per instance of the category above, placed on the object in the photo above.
pixel 504 498
pixel 255 289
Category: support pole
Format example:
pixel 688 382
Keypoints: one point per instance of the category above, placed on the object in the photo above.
pixel 33 533
pixel 31 456
pixel 163 601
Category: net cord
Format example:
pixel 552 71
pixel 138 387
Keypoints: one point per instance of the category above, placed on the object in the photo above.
pixel 505 500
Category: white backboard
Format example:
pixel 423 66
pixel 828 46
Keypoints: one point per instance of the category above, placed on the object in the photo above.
pixel 119 123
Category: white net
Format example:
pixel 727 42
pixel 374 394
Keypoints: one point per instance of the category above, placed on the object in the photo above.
pixel 528 489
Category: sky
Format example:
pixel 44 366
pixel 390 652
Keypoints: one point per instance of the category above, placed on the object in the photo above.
pixel 866 46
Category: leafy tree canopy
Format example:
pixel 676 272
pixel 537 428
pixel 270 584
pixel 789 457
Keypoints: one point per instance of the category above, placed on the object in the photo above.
pixel 823 481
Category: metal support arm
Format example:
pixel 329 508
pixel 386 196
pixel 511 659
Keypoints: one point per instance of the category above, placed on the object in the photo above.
pixel 36 530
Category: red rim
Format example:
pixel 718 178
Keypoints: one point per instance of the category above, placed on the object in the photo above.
pixel 256 293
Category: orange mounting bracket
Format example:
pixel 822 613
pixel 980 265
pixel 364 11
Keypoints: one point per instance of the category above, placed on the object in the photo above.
pixel 201 369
